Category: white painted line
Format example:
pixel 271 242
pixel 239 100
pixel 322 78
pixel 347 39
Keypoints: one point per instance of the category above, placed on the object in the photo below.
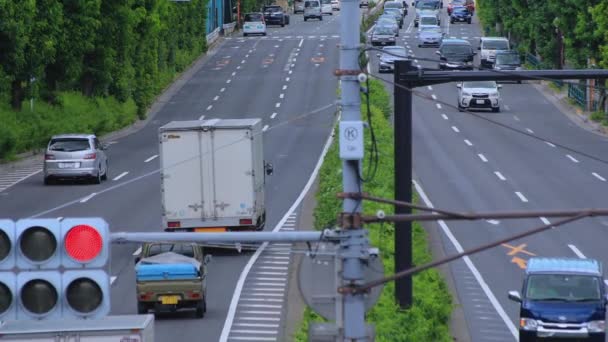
pixel 151 158
pixel 545 221
pixel 228 81
pixel 434 96
pixel 278 105
pixel 301 42
pixel 112 279
pixel 265 128
pixel 285 87
pixel 429 88
pixel 482 157
pixel 216 98
pixel 234 73
pixel 516 118
pixel 484 286
pixel 256 325
pixel 500 176
pixel 507 107
pixel 261 332
pixel 243 61
pixel 494 222
pixel 281 96
pixel 209 107
pixel 121 175
pixel 201 118
pixel 260 312
pixel 438 105
pixel 274 115
pixel 572 158
pixel 455 129
pixel 241 281
pixel 238 67
pixel 577 252
pixel 137 251
pixel 550 144
pixel 468 142
pixel 598 176
pixel 521 196
pixel 253 338
pixel 247 318
pixel 290 71
pixel 84 200
pixel 266 289
pixel 287 79
pixel 530 131
pixel 416 61
pixel 222 90
pixel 267 300
pixel 279 268
pixel 445 117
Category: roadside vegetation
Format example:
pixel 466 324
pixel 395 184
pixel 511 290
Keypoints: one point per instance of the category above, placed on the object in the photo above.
pixel 428 318
pixel 89 66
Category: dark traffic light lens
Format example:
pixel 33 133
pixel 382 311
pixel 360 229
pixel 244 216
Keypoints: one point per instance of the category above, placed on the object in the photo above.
pixel 6 298
pixel 5 245
pixel 39 296
pixel 38 244
pixel 84 295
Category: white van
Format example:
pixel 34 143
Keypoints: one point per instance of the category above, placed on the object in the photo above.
pixel 488 47
pixel 326 7
pixel 254 24
pixel 312 9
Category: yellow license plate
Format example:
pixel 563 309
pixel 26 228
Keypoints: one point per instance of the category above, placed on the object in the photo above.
pixel 210 230
pixel 169 300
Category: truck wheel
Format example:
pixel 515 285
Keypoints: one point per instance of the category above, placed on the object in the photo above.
pixel 201 308
pixel 142 309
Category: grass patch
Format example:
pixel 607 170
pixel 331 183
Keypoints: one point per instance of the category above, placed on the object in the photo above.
pixel 598 116
pixel 427 319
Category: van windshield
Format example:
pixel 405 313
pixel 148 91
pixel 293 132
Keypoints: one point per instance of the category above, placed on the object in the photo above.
pixel 393 4
pixel 311 4
pixel 69 144
pixel 183 249
pixel 427 5
pixel 495 45
pixel 563 287
pixel 254 17
pixel 326 2
pixel 453 49
pixel 428 21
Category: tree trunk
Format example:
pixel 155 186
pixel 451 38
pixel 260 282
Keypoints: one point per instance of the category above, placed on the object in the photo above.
pixel 87 84
pixel 16 95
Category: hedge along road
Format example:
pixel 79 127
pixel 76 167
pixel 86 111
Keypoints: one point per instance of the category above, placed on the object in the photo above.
pixel 240 88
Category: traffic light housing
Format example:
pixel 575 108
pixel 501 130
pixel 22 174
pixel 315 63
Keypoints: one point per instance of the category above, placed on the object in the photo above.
pixel 52 268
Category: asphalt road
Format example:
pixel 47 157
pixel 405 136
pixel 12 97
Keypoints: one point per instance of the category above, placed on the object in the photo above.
pixel 280 78
pixel 465 163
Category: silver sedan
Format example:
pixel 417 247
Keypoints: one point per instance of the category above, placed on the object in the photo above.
pixel 430 36
pixel 75 156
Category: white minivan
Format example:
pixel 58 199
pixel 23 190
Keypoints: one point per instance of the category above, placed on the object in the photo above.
pixel 312 9
pixel 254 24
pixel 326 7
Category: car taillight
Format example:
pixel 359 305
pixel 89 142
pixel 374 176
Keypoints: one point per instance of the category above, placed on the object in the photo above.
pixel 193 295
pixel 146 295
pixel 174 224
pixel 90 156
pixel 49 157
pixel 245 221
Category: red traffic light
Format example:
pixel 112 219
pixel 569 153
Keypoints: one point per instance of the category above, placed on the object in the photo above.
pixel 83 243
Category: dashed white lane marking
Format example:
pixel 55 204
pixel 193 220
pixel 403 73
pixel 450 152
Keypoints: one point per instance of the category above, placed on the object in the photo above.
pixel 550 144
pixel 429 88
pixel 278 105
pixel 468 142
pixel 521 196
pixel 281 96
pixel 500 176
pixel 201 118
pixel 287 79
pixel 137 251
pixel 222 90
pixel 209 107
pixel 246 56
pixel 577 251
pixel 438 105
pixel 265 128
pixel 483 158
pixel 515 117
pixel 284 87
pixel 482 283
pixel 598 176
pixel 434 96
pixel 455 129
pixel 507 107
pixel 290 71
pixel 86 199
pixel 238 67
pixel 572 158
pixel 445 117
pixel 228 81
pixel 234 73
pixel 121 175
pixel 216 98
pixel 494 222
pixel 545 221
pixel 274 115
pixel 301 42
pixel 530 131
pixel 151 158
pixel 112 279
pixel 243 61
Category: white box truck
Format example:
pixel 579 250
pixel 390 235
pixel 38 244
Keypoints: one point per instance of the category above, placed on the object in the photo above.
pixel 213 175
pixel 123 328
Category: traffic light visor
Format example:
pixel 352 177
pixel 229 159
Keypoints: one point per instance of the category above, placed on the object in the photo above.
pixel 38 244
pixel 83 243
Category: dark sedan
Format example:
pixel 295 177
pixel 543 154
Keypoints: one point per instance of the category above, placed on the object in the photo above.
pixel 460 14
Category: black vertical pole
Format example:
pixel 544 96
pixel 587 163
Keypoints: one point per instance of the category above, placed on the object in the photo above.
pixel 403 182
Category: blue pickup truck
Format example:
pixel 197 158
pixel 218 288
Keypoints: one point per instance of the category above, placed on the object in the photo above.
pixel 171 276
pixel 562 298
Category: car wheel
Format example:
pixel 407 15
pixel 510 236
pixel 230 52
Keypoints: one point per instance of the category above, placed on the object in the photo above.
pixel 142 309
pixel 48 181
pixel 97 178
pixel 469 21
pixel 200 309
pixel 321 18
pixel 264 34
pixel 305 18
pixel 245 34
pixel 282 24
pixel 460 108
pixel 519 82
pixel 496 110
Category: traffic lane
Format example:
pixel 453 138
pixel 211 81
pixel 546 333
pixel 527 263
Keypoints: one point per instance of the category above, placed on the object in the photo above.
pixel 21 199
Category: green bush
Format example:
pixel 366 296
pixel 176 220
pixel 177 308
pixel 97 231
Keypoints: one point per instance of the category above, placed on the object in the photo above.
pixel 427 319
pixel 597 116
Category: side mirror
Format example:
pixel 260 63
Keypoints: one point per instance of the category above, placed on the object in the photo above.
pixel 378 55
pixel 499 86
pixel 207 259
pixel 269 169
pixel 137 259
pixel 479 48
pixel 438 53
pixel 459 85
pixel 514 296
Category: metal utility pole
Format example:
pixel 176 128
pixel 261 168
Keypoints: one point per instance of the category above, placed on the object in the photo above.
pixel 408 77
pixel 403 185
pixel 354 247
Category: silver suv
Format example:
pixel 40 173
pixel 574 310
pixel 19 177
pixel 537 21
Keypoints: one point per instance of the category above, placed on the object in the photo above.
pixel 479 94
pixel 75 156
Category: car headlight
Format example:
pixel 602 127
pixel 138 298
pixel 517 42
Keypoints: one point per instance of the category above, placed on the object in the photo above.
pixel 465 93
pixel 528 324
pixel 469 63
pixel 518 69
pixel 497 68
pixel 391 38
pixel 596 326
pixel 494 94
